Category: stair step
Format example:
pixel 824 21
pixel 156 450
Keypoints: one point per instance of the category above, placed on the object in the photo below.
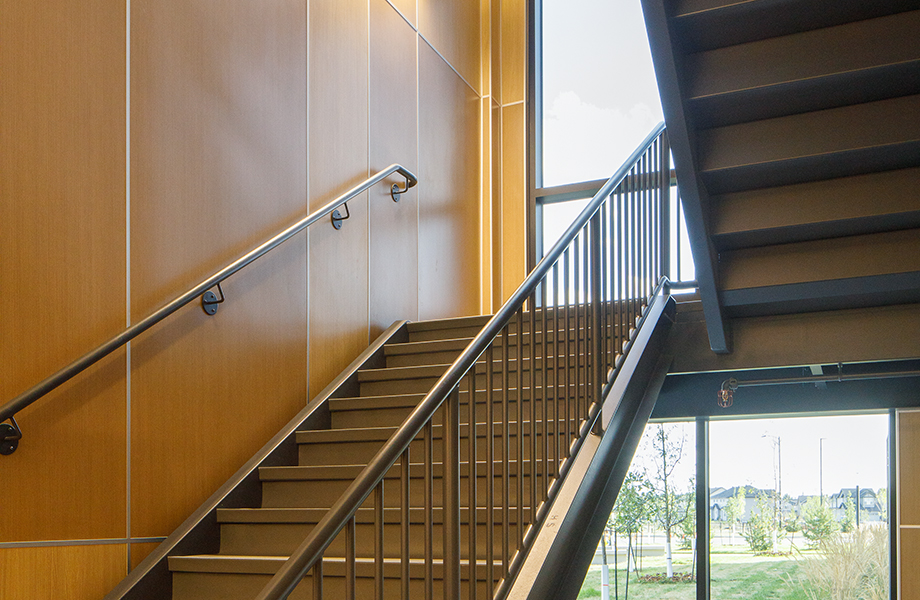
pixel 846 206
pixel 391 411
pixel 446 328
pixel 708 24
pixel 222 577
pixel 321 486
pixel 273 532
pixel 825 144
pixel 800 73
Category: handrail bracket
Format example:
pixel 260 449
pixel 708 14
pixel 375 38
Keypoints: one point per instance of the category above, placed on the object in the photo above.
pixel 337 217
pixel 10 434
pixel 395 191
pixel 210 301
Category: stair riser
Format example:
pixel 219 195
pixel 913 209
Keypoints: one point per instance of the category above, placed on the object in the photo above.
pixel 394 416
pixel 234 586
pixel 277 539
pixel 323 493
pixel 421 385
pixel 360 453
pixel 446 357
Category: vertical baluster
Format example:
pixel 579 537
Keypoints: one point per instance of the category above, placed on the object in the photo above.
pixel 604 299
pixel 429 512
pixel 544 371
pixel 557 374
pixel 404 525
pixel 520 425
pixel 610 278
pixel 566 398
pixel 506 454
pixel 451 493
pixel 378 541
pixel 318 580
pixel 634 243
pixel 350 559
pixel 646 217
pixel 579 358
pixel 596 315
pixel 533 404
pixel 473 499
pixel 490 470
pixel 622 249
pixel 656 204
pixel 664 193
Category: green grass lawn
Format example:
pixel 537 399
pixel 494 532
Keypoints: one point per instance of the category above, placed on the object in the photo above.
pixel 740 575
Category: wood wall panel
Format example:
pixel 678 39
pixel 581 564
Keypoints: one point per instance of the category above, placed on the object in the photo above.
pixel 453 28
pixel 338 154
pixel 218 153
pixel 52 573
pixel 408 9
pixel 495 24
pixel 909 469
pixel 909 558
pixel 514 199
pixel 392 138
pixel 820 338
pixel 513 50
pixel 62 263
pixel 497 218
pixel 139 552
pixel 449 196
pixel 486 207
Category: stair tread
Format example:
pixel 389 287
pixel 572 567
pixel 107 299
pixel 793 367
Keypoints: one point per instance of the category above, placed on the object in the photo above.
pixel 269 565
pixel 350 472
pixel 260 516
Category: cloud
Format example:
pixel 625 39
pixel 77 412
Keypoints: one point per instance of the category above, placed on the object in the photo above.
pixel 582 141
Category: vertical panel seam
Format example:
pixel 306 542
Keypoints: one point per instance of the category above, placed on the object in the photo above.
pixel 307 359
pixel 128 532
pixel 367 156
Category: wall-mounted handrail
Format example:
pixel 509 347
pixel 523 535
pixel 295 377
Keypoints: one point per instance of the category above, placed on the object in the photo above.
pixel 310 552
pixel 26 398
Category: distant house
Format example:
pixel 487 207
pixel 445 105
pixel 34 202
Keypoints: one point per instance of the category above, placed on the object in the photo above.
pixel 719 497
pixel 870 509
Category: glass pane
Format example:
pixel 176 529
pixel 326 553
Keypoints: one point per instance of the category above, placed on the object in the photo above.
pixel 600 96
pixel 786 522
pixel 656 504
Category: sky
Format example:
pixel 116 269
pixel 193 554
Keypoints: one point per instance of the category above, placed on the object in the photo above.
pixel 600 96
pixel 855 452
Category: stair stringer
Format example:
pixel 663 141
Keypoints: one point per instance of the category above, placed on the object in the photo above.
pixel 559 558
pixel 200 533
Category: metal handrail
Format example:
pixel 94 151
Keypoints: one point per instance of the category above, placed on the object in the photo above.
pixel 313 547
pixel 26 398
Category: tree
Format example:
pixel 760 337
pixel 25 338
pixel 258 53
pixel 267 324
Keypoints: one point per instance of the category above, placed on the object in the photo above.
pixel 882 498
pixel 761 525
pixel 818 523
pixel 688 526
pixel 631 512
pixel 734 510
pixel 848 522
pixel 670 508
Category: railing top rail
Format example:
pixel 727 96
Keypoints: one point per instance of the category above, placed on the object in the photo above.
pixel 336 518
pixel 26 398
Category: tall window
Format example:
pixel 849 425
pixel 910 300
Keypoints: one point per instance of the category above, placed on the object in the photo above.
pixel 598 99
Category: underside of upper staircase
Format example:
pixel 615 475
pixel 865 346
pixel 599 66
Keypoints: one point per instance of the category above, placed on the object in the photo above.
pixel 796 138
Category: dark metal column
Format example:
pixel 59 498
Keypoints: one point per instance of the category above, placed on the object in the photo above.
pixel 702 508
pixel 893 567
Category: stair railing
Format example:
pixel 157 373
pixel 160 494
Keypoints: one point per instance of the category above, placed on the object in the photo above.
pixel 543 363
pixel 11 434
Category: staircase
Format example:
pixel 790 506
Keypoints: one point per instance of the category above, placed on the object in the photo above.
pixel 795 135
pixel 427 468
pixel 254 542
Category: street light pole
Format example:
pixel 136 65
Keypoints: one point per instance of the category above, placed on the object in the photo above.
pixel 821 469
